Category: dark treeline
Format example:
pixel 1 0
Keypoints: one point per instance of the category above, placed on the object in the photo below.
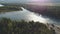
pixel 50 11
pixel 8 26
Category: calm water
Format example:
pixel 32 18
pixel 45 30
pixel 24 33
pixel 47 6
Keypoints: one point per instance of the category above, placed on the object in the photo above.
pixel 28 16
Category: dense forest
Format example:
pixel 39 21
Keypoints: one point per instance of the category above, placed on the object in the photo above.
pixel 7 26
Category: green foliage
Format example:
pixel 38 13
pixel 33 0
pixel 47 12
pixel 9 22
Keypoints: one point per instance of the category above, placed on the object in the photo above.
pixel 12 27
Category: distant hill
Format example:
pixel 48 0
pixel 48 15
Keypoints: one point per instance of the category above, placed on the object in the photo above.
pixel 50 11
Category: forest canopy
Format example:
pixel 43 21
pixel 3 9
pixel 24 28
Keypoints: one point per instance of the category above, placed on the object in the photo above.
pixel 7 26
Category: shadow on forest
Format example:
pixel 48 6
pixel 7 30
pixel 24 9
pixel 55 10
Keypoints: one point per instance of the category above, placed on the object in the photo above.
pixel 8 26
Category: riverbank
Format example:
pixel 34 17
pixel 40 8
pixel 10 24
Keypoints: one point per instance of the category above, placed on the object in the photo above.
pixel 9 8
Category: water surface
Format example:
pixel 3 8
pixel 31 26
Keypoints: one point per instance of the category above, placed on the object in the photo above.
pixel 28 16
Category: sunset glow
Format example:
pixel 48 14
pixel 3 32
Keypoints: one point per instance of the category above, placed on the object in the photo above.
pixel 41 1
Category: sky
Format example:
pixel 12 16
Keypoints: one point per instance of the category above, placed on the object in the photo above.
pixel 55 2
pixel 24 1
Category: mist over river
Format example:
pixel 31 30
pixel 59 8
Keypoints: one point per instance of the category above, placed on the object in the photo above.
pixel 28 16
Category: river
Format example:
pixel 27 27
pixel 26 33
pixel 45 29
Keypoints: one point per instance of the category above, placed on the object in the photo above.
pixel 28 16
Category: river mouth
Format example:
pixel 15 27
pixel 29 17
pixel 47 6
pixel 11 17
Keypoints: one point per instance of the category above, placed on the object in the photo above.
pixel 28 16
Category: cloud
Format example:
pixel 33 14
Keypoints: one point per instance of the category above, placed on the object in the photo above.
pixel 14 1
pixel 55 1
pixel 24 1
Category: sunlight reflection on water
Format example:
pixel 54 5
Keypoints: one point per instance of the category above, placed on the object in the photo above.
pixel 1 5
pixel 27 16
